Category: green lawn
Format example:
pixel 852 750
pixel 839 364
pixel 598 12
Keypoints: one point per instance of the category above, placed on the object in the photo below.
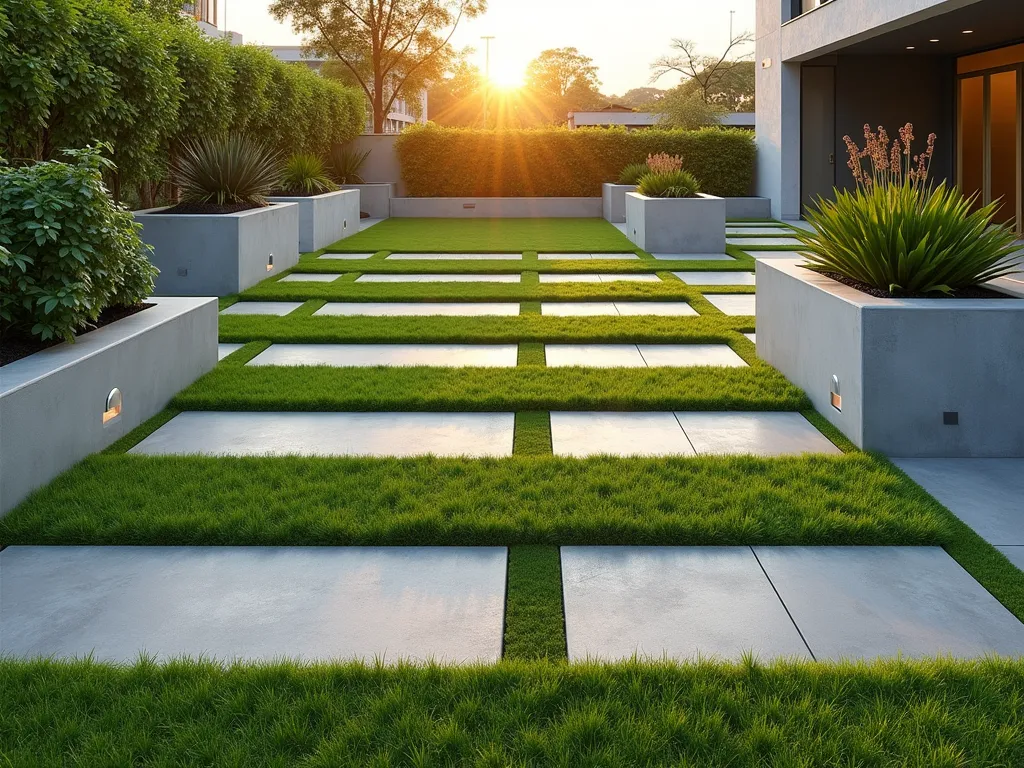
pixel 487 235
pixel 937 714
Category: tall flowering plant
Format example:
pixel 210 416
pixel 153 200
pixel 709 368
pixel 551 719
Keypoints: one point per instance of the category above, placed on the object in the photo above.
pixel 889 162
pixel 664 163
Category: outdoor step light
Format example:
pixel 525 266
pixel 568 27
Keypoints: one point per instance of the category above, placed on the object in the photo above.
pixel 113 406
pixel 836 399
pixel 270 263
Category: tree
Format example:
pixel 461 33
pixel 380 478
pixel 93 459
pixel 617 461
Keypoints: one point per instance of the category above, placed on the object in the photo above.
pixel 683 107
pixel 457 99
pixel 383 44
pixel 713 78
pixel 561 80
pixel 639 97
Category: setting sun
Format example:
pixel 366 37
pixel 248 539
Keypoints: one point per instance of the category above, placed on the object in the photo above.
pixel 507 76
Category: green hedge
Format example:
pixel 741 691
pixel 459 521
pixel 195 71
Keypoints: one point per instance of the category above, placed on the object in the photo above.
pixel 553 162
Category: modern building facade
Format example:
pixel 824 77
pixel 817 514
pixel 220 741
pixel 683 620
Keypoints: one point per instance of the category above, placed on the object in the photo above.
pixel 618 116
pixel 205 14
pixel 825 68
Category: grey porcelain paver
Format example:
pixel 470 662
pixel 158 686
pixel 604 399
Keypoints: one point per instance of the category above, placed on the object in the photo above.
pixel 595 277
pixel 693 256
pixel 589 433
pixel 866 602
pixel 752 337
pixel 761 241
pixel 739 304
pixel 761 434
pixel 681 602
pixel 625 308
pixel 419 308
pixel 586 256
pixel 987 494
pixel 346 256
pixel 594 355
pixel 258 433
pixel 258 603
pixel 455 256
pixel 445 355
pixel 310 277
pixel 578 308
pixel 450 278
pixel 768 255
pixel 223 350
pixel 716 278
pixel 680 355
pixel 662 308
pixel 741 223
pixel 365 224
pixel 635 277
pixel 279 308
pixel 758 230
pixel 586 278
pixel 1015 554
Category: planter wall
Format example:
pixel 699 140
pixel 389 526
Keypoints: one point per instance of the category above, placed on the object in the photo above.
pixel 904 366
pixel 325 219
pixel 497 207
pixel 613 201
pixel 676 225
pixel 748 208
pixel 375 199
pixel 217 255
pixel 54 400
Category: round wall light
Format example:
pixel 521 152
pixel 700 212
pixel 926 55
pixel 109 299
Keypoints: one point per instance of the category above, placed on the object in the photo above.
pixel 113 406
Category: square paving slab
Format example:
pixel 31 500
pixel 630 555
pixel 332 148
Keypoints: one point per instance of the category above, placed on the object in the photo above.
pixel 280 308
pixel 363 355
pixel 258 603
pixel 453 278
pixel 716 278
pixel 761 241
pixel 594 355
pixel 309 277
pixel 865 602
pixel 455 256
pixel 254 433
pixel 756 230
pixel 734 303
pixel 681 355
pixel 420 308
pixel 346 256
pixel 987 494
pixel 589 433
pixel 762 434
pixel 223 350
pixel 693 256
pixel 681 602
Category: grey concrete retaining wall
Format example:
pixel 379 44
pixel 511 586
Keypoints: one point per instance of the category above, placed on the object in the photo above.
pixel 676 225
pixel 381 165
pixel 52 402
pixel 748 208
pixel 496 207
pixel 375 199
pixel 217 255
pixel 613 201
pixel 901 363
pixel 326 218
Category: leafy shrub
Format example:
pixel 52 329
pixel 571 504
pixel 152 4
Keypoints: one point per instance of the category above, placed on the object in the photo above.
pixel 668 184
pixel 67 251
pixel 233 170
pixel 555 162
pixel 306 175
pixel 897 233
pixel 347 163
pixel 631 173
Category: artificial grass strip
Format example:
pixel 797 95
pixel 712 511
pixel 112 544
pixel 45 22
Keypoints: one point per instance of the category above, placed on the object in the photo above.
pixel 415 235
pixel 645 264
pixel 939 714
pixel 707 500
pixel 534 615
pixel 532 436
pixel 531 353
pixel 528 388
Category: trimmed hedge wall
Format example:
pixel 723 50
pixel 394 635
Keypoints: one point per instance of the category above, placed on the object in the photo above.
pixel 557 162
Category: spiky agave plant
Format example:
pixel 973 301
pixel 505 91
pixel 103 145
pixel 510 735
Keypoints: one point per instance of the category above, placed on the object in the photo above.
pixel 669 184
pixel 304 174
pixel 227 170
pixel 632 173
pixel 346 164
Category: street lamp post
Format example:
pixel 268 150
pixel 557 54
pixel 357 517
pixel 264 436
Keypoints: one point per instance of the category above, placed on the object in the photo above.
pixel 487 72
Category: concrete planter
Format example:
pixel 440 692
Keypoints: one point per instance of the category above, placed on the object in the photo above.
pixel 906 368
pixel 375 199
pixel 53 403
pixel 497 207
pixel 325 219
pixel 217 255
pixel 676 224
pixel 613 201
pixel 748 208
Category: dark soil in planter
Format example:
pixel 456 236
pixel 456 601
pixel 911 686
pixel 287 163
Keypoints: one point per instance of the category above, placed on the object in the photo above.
pixel 15 347
pixel 966 293
pixel 364 215
pixel 211 208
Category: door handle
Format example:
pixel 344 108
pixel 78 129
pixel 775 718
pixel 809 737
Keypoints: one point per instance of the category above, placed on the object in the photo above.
pixel 831 158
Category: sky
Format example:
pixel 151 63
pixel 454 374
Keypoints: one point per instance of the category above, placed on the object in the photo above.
pixel 621 36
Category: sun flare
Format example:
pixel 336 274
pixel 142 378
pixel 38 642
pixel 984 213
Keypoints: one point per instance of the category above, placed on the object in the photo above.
pixel 507 76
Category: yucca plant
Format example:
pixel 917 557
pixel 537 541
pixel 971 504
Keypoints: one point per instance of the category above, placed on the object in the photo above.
pixel 897 233
pixel 346 164
pixel 631 173
pixel 668 184
pixel 229 170
pixel 305 174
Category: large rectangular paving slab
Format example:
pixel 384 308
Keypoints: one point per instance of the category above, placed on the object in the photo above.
pixel 761 241
pixel 280 308
pixel 216 433
pixel 363 355
pixel 1015 554
pixel 256 603
pixel 588 278
pixel 716 278
pixel 625 308
pixel 309 277
pixel 733 229
pixel 346 256
pixel 594 355
pixel 586 256
pixel 866 602
pixel 592 433
pixel 738 304
pixel 455 256
pixel 768 255
pixel 761 434
pixel 693 257
pixel 681 602
pixel 662 308
pixel 594 277
pixel 452 278
pixel 680 355
pixel 223 350
pixel 987 494
pixel 419 309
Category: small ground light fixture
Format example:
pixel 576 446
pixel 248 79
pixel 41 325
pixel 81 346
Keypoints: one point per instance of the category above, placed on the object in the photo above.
pixel 112 409
pixel 835 397
pixel 270 263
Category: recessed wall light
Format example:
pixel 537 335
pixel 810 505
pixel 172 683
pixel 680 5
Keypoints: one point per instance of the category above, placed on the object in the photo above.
pixel 968 31
pixel 910 47
pixel 112 408
pixel 934 40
